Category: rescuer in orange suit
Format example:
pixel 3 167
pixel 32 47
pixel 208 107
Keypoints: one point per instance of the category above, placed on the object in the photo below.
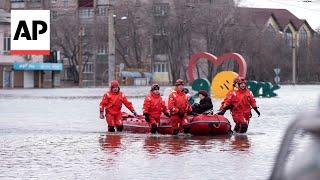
pixel 179 106
pixel 234 89
pixel 240 103
pixel 111 103
pixel 153 106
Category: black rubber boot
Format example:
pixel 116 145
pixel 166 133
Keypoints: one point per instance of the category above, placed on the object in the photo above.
pixel 120 128
pixel 237 128
pixel 186 130
pixel 175 131
pixel 154 128
pixel 241 128
pixel 244 128
pixel 111 129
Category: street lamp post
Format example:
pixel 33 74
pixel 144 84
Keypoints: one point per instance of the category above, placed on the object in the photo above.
pixel 111 43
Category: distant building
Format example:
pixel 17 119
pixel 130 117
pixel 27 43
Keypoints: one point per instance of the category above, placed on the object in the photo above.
pixel 297 32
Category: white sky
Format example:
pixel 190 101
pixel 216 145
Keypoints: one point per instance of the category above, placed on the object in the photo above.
pixel 303 10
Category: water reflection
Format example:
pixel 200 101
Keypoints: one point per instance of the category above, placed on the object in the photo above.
pixel 207 142
pixel 155 145
pixel 178 145
pixel 240 142
pixel 175 145
pixel 110 143
pixel 152 145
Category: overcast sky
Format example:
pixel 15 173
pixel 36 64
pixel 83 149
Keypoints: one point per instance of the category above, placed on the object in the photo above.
pixel 300 8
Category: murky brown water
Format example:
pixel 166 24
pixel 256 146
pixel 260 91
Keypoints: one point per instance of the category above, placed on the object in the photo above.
pixel 62 138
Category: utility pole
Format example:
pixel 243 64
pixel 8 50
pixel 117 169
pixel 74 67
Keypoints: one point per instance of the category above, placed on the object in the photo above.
pixel 81 33
pixel 111 42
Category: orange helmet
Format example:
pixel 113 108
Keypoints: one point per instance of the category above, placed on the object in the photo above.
pixel 241 80
pixel 238 80
pixel 179 82
pixel 114 84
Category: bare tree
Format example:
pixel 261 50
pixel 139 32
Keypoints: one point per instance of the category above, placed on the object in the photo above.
pixel 315 58
pixel 70 36
pixel 133 32
pixel 174 35
pixel 215 22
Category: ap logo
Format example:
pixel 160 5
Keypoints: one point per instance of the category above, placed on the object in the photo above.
pixel 30 32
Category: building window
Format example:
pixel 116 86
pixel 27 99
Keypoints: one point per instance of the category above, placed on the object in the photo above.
pixel 159 45
pixel 160 67
pixel 101 50
pixel 192 1
pixel 86 13
pixel 288 37
pixel 53 1
pixel 163 67
pixel 303 37
pixel 54 14
pixel 68 74
pixel 160 30
pixel 88 68
pixel 161 9
pixel 65 3
pixel 6 44
pixel 271 30
pixel 101 11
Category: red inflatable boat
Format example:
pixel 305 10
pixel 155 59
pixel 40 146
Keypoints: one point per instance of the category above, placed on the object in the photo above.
pixel 198 125
pixel 209 125
pixel 139 125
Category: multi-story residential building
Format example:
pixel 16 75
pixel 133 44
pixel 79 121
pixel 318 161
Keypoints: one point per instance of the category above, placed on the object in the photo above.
pixel 91 15
pixel 160 63
pixel 60 9
pixel 86 12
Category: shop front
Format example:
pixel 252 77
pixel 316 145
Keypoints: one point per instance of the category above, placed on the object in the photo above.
pixel 32 75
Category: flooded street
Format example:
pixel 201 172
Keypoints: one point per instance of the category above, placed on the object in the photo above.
pixel 56 134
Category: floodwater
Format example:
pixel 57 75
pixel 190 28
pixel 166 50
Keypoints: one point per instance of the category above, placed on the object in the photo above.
pixel 56 134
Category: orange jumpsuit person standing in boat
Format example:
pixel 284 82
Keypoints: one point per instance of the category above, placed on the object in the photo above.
pixel 111 103
pixel 153 106
pixel 179 107
pixel 240 103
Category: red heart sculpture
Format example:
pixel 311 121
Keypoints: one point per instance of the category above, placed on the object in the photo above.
pixel 217 61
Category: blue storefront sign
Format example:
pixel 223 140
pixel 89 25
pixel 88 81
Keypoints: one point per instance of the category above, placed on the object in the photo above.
pixel 37 66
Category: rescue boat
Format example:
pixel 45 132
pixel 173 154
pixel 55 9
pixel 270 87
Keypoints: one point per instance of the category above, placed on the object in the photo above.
pixel 203 125
pixel 198 125
pixel 139 125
